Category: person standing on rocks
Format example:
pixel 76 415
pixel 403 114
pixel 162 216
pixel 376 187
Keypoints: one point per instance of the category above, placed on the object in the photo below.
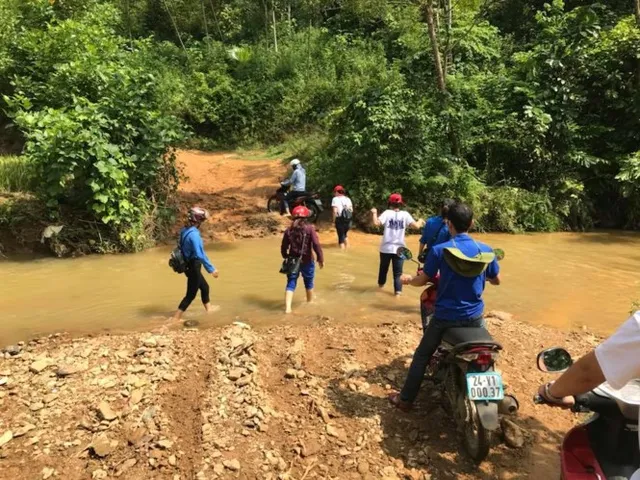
pixel 342 208
pixel 395 222
pixel 299 243
pixel 195 258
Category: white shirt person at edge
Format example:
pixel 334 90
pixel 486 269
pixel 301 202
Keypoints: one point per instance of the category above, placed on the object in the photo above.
pixel 616 361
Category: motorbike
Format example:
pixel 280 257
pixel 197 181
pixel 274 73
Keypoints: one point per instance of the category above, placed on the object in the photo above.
pixel 605 447
pixel 310 200
pixel 464 366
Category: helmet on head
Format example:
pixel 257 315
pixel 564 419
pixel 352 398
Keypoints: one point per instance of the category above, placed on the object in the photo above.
pixel 295 162
pixel 300 212
pixel 395 198
pixel 198 214
pixel 338 189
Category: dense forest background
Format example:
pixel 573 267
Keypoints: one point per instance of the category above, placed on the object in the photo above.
pixel 530 110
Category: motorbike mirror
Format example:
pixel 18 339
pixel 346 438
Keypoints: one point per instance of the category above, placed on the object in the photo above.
pixel 554 360
pixel 499 253
pixel 404 253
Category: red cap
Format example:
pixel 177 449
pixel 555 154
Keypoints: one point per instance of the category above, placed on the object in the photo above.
pixel 338 188
pixel 395 198
pixel 300 212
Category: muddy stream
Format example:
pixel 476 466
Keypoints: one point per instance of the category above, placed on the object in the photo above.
pixel 565 280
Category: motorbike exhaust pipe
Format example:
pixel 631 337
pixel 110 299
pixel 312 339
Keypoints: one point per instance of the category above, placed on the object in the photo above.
pixel 508 405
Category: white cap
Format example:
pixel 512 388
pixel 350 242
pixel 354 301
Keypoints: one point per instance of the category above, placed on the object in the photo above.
pixel 294 162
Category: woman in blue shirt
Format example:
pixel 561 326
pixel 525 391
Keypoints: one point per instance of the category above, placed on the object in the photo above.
pixel 435 231
pixel 196 258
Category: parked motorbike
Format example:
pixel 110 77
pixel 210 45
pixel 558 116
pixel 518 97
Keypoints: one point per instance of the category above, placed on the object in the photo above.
pixel 606 445
pixel 310 200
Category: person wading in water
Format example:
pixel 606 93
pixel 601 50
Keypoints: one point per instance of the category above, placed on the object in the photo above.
pixel 299 242
pixel 196 258
pixel 342 210
pixel 395 222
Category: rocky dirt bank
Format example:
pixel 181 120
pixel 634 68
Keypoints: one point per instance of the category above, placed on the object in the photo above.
pixel 235 190
pixel 287 402
pixel 233 187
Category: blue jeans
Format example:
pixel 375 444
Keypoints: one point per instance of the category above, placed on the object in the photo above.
pixel 431 339
pixel 385 260
pixel 308 271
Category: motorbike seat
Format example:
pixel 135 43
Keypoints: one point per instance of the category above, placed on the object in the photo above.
pixel 462 337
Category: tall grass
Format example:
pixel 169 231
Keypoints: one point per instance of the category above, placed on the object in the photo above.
pixel 16 174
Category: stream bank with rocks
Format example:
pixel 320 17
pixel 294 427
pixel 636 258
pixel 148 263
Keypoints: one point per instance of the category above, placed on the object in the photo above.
pixel 287 402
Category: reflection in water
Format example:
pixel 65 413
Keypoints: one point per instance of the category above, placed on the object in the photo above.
pixel 562 279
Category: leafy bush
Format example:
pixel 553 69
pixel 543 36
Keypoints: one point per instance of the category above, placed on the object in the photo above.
pixel 385 141
pixel 515 210
pixel 91 116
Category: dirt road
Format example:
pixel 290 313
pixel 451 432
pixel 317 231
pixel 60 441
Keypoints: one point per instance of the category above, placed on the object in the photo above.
pixel 289 402
pixel 234 190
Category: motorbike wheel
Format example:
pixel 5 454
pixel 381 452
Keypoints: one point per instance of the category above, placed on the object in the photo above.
pixel 315 212
pixel 476 438
pixel 273 204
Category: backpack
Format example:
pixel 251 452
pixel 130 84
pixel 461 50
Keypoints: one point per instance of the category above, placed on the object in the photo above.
pixel 346 215
pixel 176 260
pixel 291 265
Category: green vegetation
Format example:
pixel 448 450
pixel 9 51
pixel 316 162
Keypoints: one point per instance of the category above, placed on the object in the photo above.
pixel 529 110
pixel 16 174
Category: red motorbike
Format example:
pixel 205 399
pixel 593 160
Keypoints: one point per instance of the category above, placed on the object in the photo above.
pixel 605 447
pixel 310 200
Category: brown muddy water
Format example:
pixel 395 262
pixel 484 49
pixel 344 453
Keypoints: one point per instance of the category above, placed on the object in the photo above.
pixel 562 279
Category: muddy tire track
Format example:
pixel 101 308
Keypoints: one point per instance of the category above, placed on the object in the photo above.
pixel 182 403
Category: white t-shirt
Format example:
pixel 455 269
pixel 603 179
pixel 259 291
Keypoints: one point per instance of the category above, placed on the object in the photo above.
pixel 340 203
pixel 619 358
pixel 395 224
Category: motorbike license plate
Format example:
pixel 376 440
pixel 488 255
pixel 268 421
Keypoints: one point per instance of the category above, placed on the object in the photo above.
pixel 485 386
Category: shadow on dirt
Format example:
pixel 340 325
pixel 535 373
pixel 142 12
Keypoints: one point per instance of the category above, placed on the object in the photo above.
pixel 427 439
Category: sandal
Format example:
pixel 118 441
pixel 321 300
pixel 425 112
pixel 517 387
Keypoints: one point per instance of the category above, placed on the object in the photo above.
pixel 400 404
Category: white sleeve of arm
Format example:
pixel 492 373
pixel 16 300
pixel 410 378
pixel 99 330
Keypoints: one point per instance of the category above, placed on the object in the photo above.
pixel 619 355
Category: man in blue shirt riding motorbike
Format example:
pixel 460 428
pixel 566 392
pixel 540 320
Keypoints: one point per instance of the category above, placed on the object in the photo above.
pixel 459 300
